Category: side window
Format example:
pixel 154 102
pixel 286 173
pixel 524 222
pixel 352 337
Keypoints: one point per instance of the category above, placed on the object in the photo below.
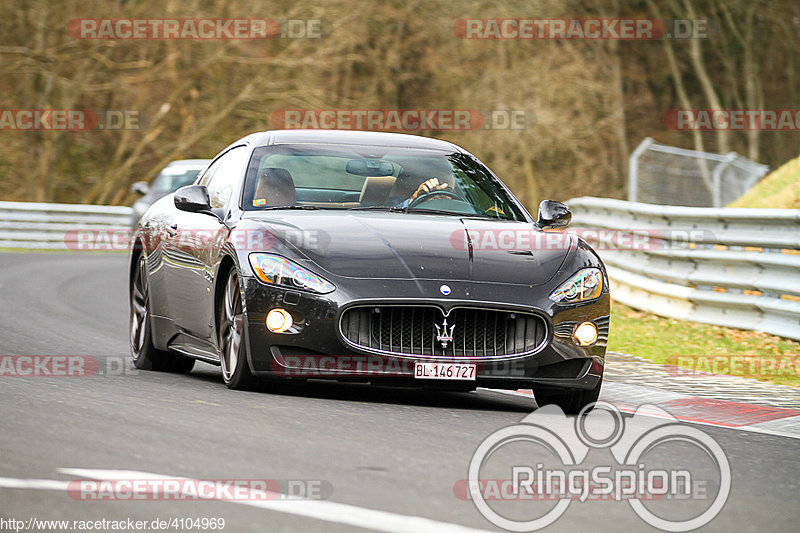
pixel 210 172
pixel 223 176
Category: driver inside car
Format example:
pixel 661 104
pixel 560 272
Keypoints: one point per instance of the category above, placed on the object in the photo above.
pixel 426 187
pixel 413 183
pixel 429 186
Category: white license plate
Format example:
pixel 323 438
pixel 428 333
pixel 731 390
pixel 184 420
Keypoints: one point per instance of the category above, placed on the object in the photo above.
pixel 459 371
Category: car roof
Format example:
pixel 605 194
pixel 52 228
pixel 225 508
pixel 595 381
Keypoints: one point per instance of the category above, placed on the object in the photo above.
pixel 189 162
pixel 347 137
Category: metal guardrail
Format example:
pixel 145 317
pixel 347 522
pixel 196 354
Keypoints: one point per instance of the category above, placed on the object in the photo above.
pixel 733 267
pixel 727 266
pixel 55 226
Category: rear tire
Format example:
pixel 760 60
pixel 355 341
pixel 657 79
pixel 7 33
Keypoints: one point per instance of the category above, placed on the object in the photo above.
pixel 230 336
pixel 145 355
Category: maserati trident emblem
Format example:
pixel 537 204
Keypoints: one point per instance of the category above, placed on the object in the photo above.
pixel 442 335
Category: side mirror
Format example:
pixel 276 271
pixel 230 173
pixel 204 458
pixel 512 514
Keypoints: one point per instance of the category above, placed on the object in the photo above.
pixel 193 198
pixel 140 187
pixel 553 214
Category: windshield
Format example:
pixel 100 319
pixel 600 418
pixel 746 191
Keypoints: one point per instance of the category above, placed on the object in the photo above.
pixel 374 177
pixel 173 178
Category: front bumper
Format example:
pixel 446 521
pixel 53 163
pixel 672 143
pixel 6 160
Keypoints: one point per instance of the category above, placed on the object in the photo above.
pixel 316 349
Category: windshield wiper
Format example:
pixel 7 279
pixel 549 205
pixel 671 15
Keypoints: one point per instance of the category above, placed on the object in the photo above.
pixel 394 209
pixel 295 206
pixel 406 209
pixel 441 212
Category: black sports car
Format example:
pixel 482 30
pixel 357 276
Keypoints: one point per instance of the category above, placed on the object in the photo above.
pixel 376 257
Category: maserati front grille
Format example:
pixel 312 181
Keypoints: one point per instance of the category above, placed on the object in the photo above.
pixel 425 331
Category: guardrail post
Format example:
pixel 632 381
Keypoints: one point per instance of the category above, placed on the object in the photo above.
pixel 716 179
pixel 633 169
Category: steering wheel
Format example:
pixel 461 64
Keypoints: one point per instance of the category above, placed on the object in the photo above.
pixel 429 196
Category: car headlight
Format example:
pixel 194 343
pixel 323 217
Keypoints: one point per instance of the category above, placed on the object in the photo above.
pixel 586 284
pixel 277 270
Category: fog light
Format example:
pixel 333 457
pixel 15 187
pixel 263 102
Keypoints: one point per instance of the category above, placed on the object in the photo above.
pixel 586 334
pixel 279 320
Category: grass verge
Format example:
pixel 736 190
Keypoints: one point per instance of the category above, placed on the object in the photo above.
pixel 705 347
pixel 780 189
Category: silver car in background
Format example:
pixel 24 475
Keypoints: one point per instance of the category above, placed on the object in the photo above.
pixel 174 176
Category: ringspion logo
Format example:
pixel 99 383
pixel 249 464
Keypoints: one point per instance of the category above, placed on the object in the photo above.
pixel 548 463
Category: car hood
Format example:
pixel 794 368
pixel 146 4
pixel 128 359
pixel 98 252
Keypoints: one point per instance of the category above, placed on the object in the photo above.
pixel 417 246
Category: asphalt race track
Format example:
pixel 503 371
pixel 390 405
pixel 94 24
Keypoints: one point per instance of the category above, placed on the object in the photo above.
pixel 385 459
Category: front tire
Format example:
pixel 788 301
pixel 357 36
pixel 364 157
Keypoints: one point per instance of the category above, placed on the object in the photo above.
pixel 230 335
pixel 145 355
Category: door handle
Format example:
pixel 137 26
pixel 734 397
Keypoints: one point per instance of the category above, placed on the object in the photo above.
pixel 172 230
